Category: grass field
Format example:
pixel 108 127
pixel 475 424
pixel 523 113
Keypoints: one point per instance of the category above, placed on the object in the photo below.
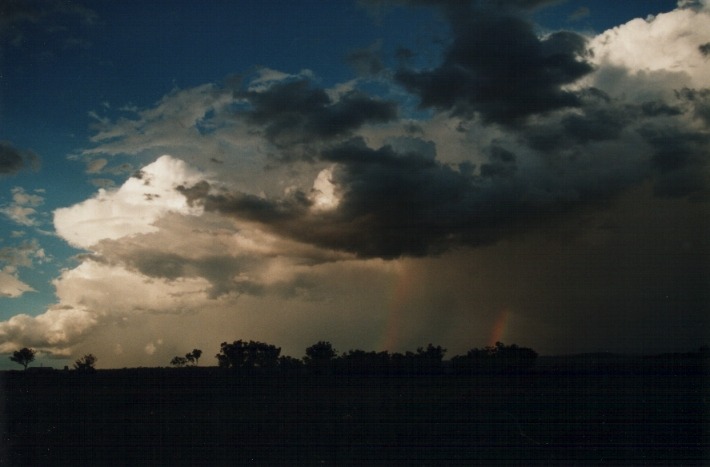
pixel 562 412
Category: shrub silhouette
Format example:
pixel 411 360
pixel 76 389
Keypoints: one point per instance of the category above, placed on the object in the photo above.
pixel 178 361
pixel 194 356
pixel 24 356
pixel 86 363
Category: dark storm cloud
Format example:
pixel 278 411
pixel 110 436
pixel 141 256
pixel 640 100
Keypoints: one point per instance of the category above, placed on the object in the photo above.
pixel 680 161
pixel 502 164
pixel 295 112
pixel 399 203
pixel 400 200
pixel 598 119
pixel 657 108
pixel 576 130
pixel 12 160
pixel 498 67
pixel 250 207
pixel 397 200
pixel 699 101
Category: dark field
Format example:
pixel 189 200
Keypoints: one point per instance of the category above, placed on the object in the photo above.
pixel 581 411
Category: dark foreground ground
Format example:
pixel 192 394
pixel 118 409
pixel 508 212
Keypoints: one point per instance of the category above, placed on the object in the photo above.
pixel 563 412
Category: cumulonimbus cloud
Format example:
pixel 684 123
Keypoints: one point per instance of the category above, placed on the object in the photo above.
pixel 544 132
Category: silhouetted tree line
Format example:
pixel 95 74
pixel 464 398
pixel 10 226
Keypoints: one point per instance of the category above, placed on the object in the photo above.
pixel 499 358
pixel 322 359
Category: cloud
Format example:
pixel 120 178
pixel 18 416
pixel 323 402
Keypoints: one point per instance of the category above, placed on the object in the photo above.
pixel 96 166
pixel 367 61
pixel 82 307
pixel 332 213
pixel 129 210
pixel 477 183
pixel 579 13
pixel 12 258
pixel 295 112
pixel 22 209
pixel 11 286
pixel 651 58
pixel 371 187
pixel 21 255
pixel 497 67
pixel 175 120
pixel 12 160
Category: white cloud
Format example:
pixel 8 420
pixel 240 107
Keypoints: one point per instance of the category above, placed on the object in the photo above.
pixel 55 330
pixel 653 57
pixel 324 191
pixel 131 209
pixel 94 296
pixel 111 291
pixel 154 257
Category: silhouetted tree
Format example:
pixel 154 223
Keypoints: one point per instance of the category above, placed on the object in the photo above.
pixel 321 351
pixel 178 361
pixel 194 356
pixel 24 356
pixel 319 357
pixel 248 355
pixel 86 363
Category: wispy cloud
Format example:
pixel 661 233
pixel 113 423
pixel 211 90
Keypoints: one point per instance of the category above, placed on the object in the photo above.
pixel 22 208
pixel 12 259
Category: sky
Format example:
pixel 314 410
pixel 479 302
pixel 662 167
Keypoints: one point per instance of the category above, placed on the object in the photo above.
pixel 380 174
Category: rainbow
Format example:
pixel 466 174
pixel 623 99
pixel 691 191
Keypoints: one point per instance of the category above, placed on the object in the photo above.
pixel 402 288
pixel 500 326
